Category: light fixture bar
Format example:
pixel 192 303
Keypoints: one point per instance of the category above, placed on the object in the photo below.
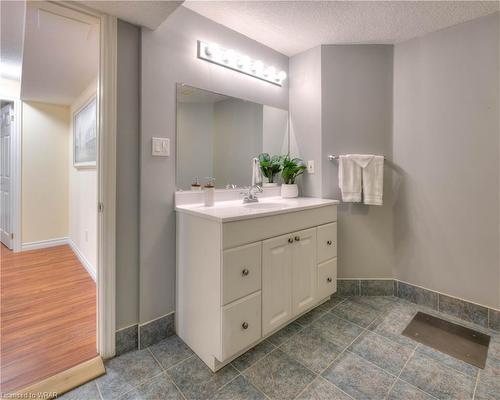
pixel 229 58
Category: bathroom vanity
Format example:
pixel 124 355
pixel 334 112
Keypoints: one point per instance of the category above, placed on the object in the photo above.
pixel 246 270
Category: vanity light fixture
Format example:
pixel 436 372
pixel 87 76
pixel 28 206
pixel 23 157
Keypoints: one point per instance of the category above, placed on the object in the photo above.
pixel 229 58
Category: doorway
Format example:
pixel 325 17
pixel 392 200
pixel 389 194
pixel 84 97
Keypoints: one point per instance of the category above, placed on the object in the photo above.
pixel 51 320
pixel 7 135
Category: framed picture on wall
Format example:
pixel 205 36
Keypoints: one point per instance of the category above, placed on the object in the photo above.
pixel 84 136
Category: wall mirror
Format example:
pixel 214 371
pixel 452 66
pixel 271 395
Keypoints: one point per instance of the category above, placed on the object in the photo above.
pixel 219 135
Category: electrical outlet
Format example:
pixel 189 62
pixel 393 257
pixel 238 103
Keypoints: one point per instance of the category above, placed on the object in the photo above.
pixel 310 166
pixel 160 147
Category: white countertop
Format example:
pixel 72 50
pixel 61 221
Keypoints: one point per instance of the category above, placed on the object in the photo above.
pixel 235 210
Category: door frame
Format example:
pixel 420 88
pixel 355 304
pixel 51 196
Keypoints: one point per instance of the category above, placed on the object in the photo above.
pixel 15 168
pixel 106 166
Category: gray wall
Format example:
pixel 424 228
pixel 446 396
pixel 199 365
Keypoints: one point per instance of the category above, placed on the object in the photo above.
pixel 446 141
pixel 168 57
pixel 356 91
pixel 127 175
pixel 305 115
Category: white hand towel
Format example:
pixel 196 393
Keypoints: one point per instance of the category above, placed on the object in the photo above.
pixel 372 175
pixel 373 182
pixel 256 172
pixel 349 179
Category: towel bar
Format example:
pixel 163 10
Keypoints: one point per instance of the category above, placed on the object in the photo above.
pixel 333 157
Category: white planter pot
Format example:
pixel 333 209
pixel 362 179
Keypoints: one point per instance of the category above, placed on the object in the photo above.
pixel 269 184
pixel 289 191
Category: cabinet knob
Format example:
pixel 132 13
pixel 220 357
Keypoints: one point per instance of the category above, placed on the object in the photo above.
pixel 328 279
pixel 244 325
pixel 245 272
pixel 329 242
pixel 297 238
pixel 290 240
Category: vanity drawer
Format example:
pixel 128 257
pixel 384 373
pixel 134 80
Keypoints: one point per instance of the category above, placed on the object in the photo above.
pixel 327 278
pixel 241 272
pixel 241 324
pixel 327 242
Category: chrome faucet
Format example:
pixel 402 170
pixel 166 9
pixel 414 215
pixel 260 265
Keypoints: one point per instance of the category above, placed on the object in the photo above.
pixel 251 195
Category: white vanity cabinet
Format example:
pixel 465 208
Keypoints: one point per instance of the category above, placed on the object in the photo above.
pixel 243 277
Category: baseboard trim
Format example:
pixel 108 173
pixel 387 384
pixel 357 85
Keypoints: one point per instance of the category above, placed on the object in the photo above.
pixel 86 263
pixel 63 382
pixel 42 244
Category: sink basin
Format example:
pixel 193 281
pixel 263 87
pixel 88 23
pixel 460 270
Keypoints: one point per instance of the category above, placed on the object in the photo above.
pixel 264 206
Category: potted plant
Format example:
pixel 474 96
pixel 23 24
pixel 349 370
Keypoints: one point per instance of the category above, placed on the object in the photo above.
pixel 291 169
pixel 270 166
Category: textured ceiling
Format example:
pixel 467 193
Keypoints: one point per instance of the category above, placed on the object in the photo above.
pixel 60 57
pixel 11 38
pixel 294 26
pixel 139 12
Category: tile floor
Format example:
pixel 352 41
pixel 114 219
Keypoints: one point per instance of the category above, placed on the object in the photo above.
pixel 347 348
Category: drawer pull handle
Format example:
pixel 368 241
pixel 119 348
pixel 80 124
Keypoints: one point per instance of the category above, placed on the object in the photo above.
pixel 297 238
pixel 244 325
pixel 290 240
pixel 245 272
pixel 329 242
pixel 328 279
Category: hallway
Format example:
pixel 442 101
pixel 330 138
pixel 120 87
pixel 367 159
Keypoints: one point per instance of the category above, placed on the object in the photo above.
pixel 48 315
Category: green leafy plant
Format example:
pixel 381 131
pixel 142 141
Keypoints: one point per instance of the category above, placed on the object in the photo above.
pixel 291 169
pixel 269 166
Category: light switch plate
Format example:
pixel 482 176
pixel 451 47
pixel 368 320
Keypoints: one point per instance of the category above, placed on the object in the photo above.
pixel 160 147
pixel 310 166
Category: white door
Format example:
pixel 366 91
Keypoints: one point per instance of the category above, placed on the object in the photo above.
pixel 276 282
pixel 304 270
pixel 6 135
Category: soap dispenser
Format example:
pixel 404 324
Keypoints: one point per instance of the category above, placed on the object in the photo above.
pixel 195 186
pixel 209 191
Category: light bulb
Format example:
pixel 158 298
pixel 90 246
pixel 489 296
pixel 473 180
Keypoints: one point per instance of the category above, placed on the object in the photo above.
pixel 229 57
pixel 212 50
pixel 257 67
pixel 282 75
pixel 269 72
pixel 243 62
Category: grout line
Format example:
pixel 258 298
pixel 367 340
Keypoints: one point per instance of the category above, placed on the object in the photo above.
pixel 400 372
pixel 326 380
pixel 475 386
pixel 154 358
pixel 177 363
pixel 99 391
pixel 145 381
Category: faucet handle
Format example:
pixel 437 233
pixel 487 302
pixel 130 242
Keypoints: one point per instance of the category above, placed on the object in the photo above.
pixel 259 188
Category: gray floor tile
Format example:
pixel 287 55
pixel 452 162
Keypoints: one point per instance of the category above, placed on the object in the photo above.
pixel 381 303
pixel 359 378
pixel 239 389
pixel 334 300
pixel 285 333
pixel 337 330
pixel 311 316
pixel 383 352
pixel 450 361
pixel 437 379
pixel 320 389
pixel 253 355
pixel 85 392
pixel 392 323
pixel 494 319
pixel 160 388
pixel 494 349
pixel 197 381
pixel 490 375
pixel 404 391
pixel 311 349
pixel 486 392
pixel 361 314
pixel 347 287
pixel 279 376
pixel 171 351
pixel 126 372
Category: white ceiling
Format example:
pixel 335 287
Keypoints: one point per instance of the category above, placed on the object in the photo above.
pixel 11 35
pixel 144 13
pixel 60 57
pixel 291 27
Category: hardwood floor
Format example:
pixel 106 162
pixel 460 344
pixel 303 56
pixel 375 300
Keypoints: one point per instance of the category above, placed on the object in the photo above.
pixel 47 315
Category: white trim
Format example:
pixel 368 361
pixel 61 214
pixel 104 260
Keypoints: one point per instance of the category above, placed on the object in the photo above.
pixel 42 244
pixel 106 161
pixel 83 260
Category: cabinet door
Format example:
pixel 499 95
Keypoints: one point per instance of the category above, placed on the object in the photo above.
pixel 327 278
pixel 327 242
pixel 276 282
pixel 304 270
